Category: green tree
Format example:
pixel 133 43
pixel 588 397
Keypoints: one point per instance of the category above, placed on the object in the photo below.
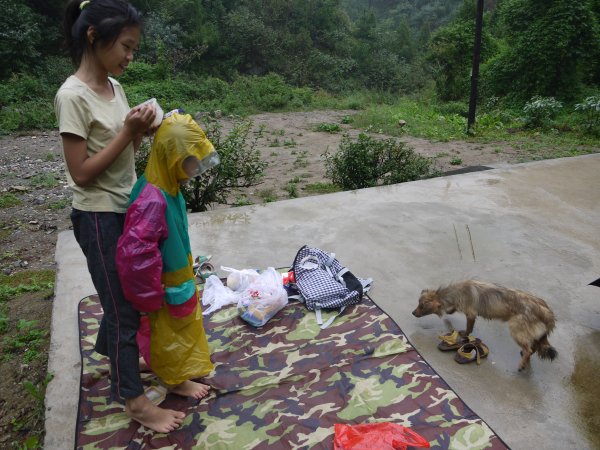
pixel 20 36
pixel 451 53
pixel 546 51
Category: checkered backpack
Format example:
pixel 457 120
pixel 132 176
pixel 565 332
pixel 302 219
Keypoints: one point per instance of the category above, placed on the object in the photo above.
pixel 323 283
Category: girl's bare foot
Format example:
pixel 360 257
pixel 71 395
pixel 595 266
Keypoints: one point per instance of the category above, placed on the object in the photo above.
pixel 192 389
pixel 157 419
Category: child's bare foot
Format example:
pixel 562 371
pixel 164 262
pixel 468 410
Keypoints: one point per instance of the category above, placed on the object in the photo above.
pixel 144 367
pixel 157 419
pixel 192 389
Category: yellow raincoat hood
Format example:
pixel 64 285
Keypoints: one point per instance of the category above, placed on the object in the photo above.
pixel 178 137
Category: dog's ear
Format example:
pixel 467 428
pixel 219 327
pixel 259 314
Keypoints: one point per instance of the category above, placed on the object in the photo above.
pixel 423 291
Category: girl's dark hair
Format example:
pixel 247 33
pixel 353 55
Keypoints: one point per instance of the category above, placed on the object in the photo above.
pixel 108 17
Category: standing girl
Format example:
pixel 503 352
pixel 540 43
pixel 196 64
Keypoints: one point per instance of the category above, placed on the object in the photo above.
pixel 100 134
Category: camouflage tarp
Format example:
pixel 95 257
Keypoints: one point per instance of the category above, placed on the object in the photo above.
pixel 285 385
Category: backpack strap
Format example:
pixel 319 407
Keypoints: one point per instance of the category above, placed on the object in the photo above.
pixel 330 320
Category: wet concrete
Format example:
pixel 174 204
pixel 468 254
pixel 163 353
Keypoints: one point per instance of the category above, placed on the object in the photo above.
pixel 533 226
pixel 585 386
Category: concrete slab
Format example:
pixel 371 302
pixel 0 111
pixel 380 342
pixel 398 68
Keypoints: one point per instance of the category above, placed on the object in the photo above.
pixel 533 226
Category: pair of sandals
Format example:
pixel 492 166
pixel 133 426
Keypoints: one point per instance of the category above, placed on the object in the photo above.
pixel 468 348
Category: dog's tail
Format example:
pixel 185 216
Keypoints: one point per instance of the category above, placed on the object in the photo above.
pixel 544 349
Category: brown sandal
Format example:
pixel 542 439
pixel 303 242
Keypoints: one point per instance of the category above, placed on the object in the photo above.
pixel 453 341
pixel 472 351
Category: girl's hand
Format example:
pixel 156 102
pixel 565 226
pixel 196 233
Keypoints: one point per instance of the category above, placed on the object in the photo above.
pixel 139 120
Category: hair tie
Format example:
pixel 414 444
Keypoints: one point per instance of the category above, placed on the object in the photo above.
pixel 83 4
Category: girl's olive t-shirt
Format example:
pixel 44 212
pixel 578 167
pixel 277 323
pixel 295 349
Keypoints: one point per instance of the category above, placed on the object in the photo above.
pixel 82 112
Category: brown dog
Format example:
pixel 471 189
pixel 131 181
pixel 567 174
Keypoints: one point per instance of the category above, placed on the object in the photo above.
pixel 529 318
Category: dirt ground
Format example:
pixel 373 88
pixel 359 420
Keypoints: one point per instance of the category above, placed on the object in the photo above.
pixel 32 171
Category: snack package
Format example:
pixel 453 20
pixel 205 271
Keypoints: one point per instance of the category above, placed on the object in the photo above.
pixel 263 298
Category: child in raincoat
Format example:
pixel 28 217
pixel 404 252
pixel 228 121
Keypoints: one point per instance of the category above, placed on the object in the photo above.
pixel 155 263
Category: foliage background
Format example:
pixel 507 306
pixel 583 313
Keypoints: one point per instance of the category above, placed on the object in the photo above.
pixel 244 56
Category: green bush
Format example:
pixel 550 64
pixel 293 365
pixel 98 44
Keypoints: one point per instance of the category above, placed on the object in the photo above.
pixel 240 166
pixel 213 89
pixel 141 157
pixel 368 162
pixel 7 200
pixel 245 95
pixel 26 101
pixel 590 109
pixel 53 71
pixel 540 110
pixel 22 88
pixel 268 92
pixel 31 115
pixel 328 127
pixel 141 72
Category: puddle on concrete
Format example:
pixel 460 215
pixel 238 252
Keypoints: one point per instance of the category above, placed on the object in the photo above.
pixel 584 382
pixel 231 218
pixel 493 181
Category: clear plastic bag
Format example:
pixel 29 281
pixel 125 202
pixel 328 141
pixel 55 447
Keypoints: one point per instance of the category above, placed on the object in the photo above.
pixel 263 298
pixel 238 280
pixel 215 295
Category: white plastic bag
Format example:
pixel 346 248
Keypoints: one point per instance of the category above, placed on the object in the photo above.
pixel 215 295
pixel 263 298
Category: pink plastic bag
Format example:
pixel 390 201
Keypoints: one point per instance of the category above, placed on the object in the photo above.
pixel 380 436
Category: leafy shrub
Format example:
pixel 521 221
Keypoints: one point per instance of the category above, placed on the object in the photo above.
pixel 53 71
pixel 26 104
pixel 27 116
pixel 328 127
pixel 3 318
pixel 590 108
pixel 140 72
pixel 488 120
pixel 540 110
pixel 171 94
pixel 368 162
pixel 213 89
pixel 240 166
pixel 44 180
pixel 453 108
pixel 141 157
pixel 22 88
pixel 267 93
pixel 7 200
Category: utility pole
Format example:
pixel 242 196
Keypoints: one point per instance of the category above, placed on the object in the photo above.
pixel 475 69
